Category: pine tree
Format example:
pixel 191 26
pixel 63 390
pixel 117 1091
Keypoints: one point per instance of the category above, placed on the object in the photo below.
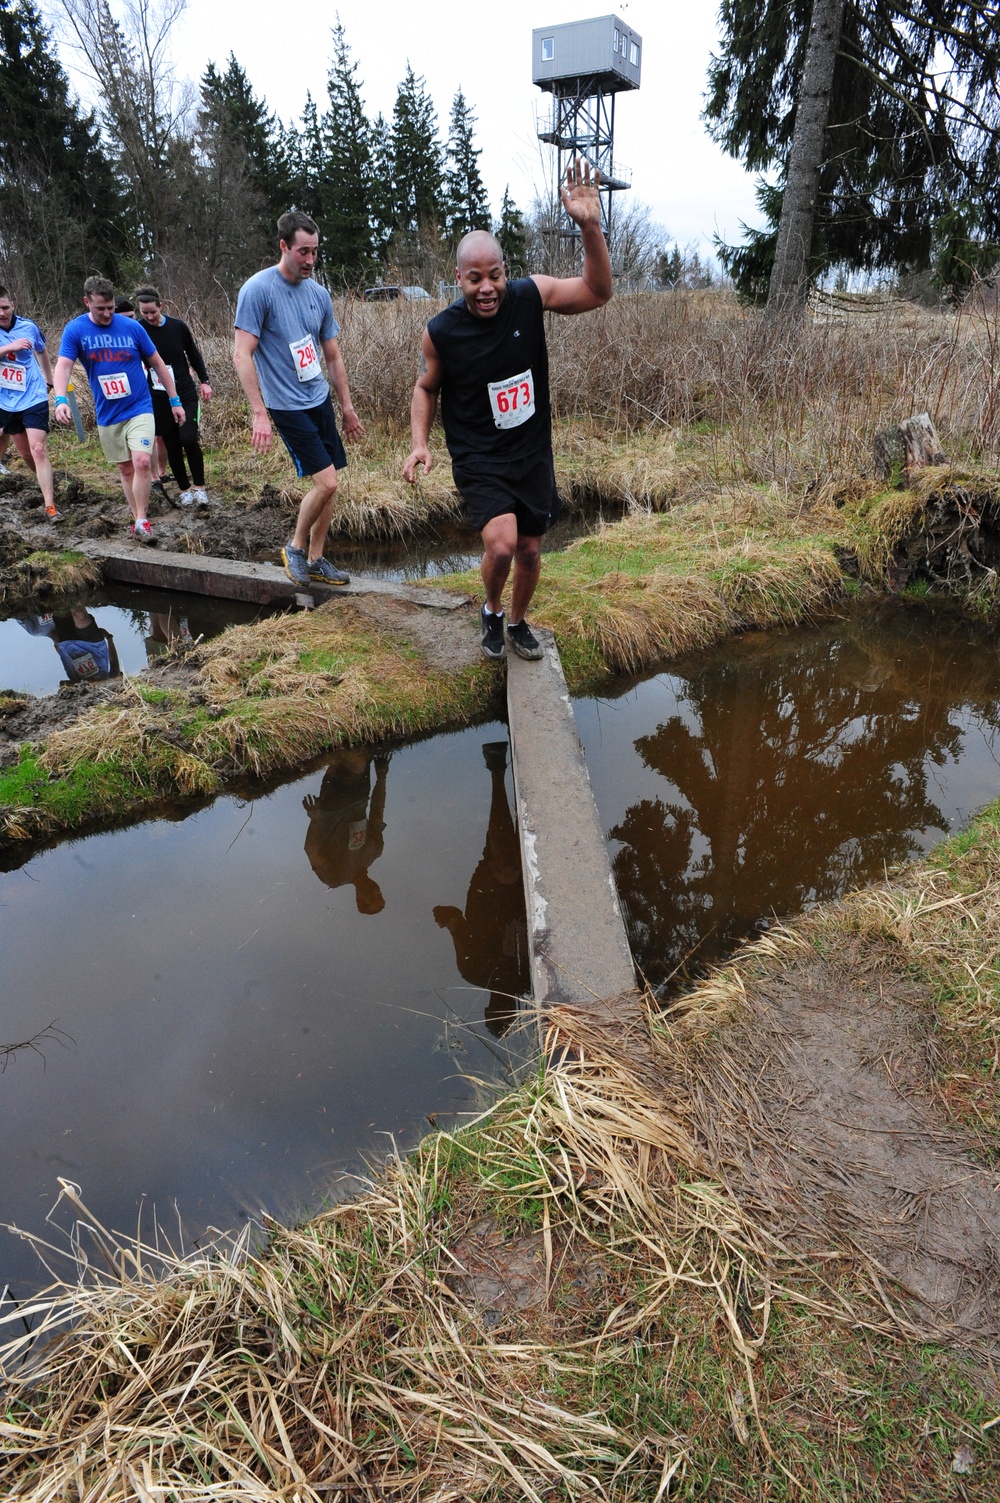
pixel 243 174
pixel 417 159
pixel 308 176
pixel 345 217
pixel 229 102
pixel 909 143
pixel 467 207
pixel 512 233
pixel 382 200
pixel 63 213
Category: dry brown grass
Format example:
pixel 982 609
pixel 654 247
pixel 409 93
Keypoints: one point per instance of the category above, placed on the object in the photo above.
pixel 342 1362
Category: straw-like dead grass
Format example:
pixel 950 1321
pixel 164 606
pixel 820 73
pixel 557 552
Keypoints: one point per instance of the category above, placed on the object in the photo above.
pixel 350 1360
pixel 48 575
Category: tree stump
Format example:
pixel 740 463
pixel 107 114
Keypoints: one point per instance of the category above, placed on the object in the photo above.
pixel 913 445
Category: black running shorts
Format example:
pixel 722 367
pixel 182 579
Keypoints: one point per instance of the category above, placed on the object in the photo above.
pixel 528 491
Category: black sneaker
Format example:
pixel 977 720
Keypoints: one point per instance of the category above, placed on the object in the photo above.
pixel 491 634
pixel 522 640
pixel 296 564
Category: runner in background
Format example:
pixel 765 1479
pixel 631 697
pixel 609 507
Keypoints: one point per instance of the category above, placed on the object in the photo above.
pixel 283 321
pixel 25 383
pixel 175 342
pixel 114 352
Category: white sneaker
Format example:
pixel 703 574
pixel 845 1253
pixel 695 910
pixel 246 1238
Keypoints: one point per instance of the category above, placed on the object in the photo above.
pixel 186 498
pixel 3 469
pixel 142 532
pixel 200 495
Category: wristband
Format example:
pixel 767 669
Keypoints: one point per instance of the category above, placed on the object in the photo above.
pixel 175 401
pixel 62 401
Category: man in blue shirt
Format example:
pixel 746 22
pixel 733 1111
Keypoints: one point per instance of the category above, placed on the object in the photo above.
pixel 114 351
pixel 283 320
pixel 24 395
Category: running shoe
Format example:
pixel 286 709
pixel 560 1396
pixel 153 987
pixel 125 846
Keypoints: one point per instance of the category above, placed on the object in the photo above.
pixel 53 513
pixel 142 532
pixel 3 469
pixel 160 489
pixel 200 495
pixel 186 498
pixel 522 640
pixel 491 634
pixel 296 564
pixel 325 573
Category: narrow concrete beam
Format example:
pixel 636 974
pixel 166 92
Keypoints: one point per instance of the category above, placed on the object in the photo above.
pixel 576 936
pixel 234 579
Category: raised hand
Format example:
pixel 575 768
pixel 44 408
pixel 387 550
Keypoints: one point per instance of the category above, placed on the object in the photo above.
pixel 580 197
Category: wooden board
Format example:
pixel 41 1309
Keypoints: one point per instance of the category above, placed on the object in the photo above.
pixel 235 579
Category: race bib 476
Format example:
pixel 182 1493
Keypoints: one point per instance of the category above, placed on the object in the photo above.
pixel 512 401
pixel 12 376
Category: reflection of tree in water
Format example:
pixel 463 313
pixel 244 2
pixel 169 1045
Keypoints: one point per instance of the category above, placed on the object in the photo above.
pixel 798 768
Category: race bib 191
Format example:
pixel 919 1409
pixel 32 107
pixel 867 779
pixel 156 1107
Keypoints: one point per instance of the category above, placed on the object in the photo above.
pixel 115 387
pixel 157 383
pixel 305 357
pixel 513 400
pixel 12 376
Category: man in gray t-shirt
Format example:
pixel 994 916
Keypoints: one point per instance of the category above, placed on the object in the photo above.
pixel 283 322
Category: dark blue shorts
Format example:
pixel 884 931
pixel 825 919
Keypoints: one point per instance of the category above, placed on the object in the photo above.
pixel 311 437
pixel 28 417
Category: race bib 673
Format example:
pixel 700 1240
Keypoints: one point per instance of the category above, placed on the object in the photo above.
pixel 512 401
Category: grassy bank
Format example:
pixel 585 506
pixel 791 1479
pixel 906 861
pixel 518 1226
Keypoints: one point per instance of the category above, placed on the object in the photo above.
pixel 616 1285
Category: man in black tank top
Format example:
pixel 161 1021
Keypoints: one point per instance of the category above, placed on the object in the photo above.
pixel 485 356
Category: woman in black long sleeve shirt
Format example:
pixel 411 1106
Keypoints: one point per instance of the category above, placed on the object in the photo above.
pixel 175 343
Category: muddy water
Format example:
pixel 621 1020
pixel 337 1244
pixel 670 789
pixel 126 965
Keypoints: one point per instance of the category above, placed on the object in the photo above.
pixel 451 549
pixel 247 1000
pixel 785 768
pixel 137 625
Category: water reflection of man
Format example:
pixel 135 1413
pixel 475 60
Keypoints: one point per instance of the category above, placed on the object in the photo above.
pixel 345 835
pixel 87 651
pixel 491 936
pixel 165 629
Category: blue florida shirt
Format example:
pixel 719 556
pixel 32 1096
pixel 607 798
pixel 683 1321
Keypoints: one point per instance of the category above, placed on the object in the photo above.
pixel 113 360
pixel 22 384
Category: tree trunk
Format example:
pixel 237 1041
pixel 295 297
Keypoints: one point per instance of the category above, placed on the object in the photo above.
pixel 786 297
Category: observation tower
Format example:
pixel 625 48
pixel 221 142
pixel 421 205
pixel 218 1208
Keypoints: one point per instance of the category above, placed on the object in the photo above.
pixel 584 65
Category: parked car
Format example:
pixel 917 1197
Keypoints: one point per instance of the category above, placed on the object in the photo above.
pixel 396 294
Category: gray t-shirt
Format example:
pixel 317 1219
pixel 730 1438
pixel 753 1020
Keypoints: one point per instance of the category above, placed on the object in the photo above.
pixel 290 320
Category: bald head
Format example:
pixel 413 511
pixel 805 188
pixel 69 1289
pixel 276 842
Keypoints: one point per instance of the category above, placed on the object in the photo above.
pixel 478 245
pixel 481 278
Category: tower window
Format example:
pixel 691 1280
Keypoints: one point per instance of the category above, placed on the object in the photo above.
pixel 635 56
pixel 548 49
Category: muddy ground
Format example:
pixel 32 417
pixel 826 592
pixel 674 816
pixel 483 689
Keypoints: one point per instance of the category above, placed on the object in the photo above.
pixel 251 528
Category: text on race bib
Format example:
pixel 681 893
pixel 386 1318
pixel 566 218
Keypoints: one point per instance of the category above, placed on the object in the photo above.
pixel 512 401
pixel 157 383
pixel 115 387
pixel 85 664
pixel 305 357
pixel 12 376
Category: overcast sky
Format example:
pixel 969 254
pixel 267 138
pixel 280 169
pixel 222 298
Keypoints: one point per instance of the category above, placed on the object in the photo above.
pixel 691 187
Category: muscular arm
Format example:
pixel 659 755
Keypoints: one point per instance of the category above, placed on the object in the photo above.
pixel 243 349
pixel 337 373
pixel 593 288
pixel 422 409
